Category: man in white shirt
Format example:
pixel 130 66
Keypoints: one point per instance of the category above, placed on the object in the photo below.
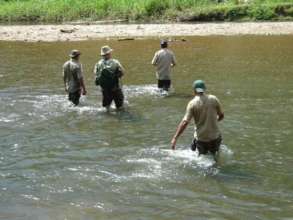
pixel 164 60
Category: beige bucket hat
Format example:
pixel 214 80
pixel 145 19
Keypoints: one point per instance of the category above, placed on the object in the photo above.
pixel 106 50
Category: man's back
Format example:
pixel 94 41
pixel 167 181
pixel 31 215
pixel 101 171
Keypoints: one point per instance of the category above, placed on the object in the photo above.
pixel 204 110
pixel 164 59
pixel 73 73
pixel 112 64
pixel 113 67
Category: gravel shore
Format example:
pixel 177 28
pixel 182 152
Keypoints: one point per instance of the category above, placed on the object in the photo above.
pixel 80 32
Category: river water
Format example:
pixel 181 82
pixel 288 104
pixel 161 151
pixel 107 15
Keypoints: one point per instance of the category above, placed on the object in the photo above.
pixel 60 162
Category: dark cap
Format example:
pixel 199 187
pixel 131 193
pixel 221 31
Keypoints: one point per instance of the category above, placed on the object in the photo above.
pixel 164 42
pixel 74 53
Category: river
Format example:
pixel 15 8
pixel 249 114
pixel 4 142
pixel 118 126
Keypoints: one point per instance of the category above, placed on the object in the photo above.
pixel 61 162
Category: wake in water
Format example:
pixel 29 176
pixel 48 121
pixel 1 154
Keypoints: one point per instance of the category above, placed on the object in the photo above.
pixel 42 106
pixel 146 90
pixel 34 107
pixel 161 163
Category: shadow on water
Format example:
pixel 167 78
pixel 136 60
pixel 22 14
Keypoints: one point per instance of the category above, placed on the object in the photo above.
pixel 126 115
pixel 236 172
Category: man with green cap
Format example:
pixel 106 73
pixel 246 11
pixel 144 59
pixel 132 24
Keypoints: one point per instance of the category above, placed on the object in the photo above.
pixel 206 111
pixel 73 77
pixel 108 73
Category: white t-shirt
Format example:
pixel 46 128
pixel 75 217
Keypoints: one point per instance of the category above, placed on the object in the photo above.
pixel 163 60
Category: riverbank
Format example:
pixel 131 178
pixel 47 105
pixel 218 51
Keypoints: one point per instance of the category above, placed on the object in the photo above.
pixel 58 11
pixel 71 32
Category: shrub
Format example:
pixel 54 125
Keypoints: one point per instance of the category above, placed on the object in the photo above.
pixel 155 7
pixel 261 12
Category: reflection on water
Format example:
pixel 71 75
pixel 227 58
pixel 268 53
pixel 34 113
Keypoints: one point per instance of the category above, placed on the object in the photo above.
pixel 63 162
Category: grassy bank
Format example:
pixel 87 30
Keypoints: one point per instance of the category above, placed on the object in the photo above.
pixel 49 11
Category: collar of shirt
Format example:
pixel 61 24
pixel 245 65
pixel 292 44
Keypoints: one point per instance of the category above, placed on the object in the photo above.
pixel 74 61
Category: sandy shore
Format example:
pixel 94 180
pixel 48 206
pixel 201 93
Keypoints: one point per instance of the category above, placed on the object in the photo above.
pixel 51 33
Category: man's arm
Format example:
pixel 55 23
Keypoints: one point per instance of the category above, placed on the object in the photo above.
pixel 180 129
pixel 95 69
pixel 219 111
pixel 155 60
pixel 183 124
pixel 220 115
pixel 82 85
pixel 81 80
pixel 173 60
pixel 65 78
pixel 120 69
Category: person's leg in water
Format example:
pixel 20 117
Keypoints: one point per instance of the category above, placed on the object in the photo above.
pixel 207 147
pixel 118 97
pixel 107 99
pixel 167 85
pixel 214 148
pixel 74 98
pixel 193 145
pixel 164 84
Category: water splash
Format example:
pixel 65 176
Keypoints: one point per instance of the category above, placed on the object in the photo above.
pixel 158 162
pixel 146 90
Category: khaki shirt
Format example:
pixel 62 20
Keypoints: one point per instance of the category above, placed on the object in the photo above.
pixel 204 110
pixel 163 60
pixel 72 73
pixel 112 64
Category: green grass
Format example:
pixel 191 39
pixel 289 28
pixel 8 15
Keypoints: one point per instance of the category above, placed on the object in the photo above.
pixel 51 11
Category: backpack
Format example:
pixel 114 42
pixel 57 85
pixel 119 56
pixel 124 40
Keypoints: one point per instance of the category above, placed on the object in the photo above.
pixel 107 78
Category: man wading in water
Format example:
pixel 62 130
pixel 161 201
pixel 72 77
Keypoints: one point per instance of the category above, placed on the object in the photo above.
pixel 108 72
pixel 73 78
pixel 164 60
pixel 206 111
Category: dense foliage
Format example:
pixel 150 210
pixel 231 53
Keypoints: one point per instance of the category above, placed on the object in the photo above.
pixel 144 10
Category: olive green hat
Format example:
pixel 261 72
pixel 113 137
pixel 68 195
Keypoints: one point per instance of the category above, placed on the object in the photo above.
pixel 74 53
pixel 199 86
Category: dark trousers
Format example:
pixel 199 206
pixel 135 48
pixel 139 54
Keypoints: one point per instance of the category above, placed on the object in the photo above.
pixel 74 97
pixel 206 147
pixel 113 94
pixel 164 84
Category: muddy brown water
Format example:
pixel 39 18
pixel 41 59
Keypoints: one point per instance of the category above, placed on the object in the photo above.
pixel 60 162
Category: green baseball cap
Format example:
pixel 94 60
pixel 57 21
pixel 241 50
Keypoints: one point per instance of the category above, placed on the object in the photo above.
pixel 199 86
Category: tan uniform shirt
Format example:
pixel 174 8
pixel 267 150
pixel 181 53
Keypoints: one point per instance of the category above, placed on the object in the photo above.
pixel 164 59
pixel 72 72
pixel 204 110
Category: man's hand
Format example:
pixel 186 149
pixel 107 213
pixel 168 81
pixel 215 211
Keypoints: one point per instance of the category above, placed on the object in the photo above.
pixel 66 89
pixel 84 92
pixel 173 143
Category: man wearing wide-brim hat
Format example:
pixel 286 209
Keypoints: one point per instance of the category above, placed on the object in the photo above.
pixel 206 111
pixel 73 77
pixel 108 73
